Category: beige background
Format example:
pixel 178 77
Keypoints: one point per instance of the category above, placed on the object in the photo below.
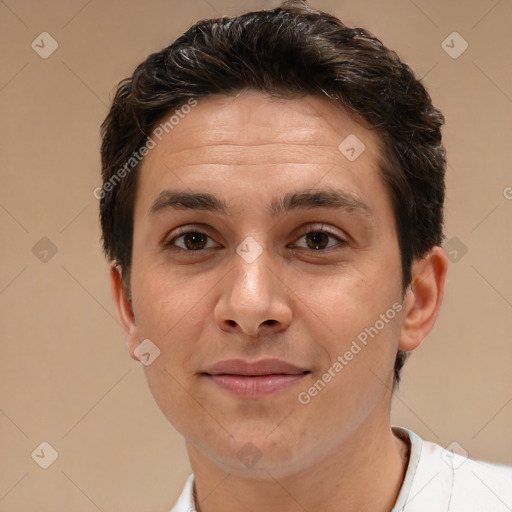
pixel 66 376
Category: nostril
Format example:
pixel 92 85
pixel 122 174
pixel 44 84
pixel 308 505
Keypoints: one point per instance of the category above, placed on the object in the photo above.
pixel 270 322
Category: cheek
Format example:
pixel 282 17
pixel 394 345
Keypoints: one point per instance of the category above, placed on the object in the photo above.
pixel 345 303
pixel 356 319
pixel 171 312
pixel 162 300
pixel 358 372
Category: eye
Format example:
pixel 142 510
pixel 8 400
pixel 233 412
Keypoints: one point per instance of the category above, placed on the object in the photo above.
pixel 192 240
pixel 318 240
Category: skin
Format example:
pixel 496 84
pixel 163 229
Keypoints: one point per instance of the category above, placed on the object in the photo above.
pixel 294 302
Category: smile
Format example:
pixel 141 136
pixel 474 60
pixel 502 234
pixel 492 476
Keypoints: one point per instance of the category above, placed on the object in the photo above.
pixel 256 379
pixel 255 385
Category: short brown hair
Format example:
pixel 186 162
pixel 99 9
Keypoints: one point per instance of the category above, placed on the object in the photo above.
pixel 287 52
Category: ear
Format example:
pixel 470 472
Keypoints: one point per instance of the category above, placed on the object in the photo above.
pixel 124 309
pixel 423 298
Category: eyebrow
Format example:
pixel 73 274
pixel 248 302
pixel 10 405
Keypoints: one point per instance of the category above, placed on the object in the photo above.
pixel 302 199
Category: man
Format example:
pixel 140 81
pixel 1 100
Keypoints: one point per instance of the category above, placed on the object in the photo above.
pixel 272 207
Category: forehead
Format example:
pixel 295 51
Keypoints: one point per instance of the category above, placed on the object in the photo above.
pixel 255 141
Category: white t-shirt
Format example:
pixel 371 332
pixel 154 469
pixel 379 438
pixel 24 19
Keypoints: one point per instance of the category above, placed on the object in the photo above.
pixel 436 480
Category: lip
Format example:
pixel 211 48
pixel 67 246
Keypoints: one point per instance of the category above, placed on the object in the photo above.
pixel 254 379
pixel 257 368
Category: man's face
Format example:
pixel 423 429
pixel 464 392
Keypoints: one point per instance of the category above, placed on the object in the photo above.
pixel 279 274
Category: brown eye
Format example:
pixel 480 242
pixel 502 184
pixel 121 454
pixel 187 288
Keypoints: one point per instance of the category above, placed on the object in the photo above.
pixel 194 241
pixel 191 241
pixel 319 240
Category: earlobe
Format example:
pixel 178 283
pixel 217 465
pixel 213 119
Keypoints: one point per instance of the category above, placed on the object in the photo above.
pixel 124 309
pixel 423 298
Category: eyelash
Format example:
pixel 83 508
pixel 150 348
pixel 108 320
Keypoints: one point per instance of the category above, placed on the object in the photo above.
pixel 171 243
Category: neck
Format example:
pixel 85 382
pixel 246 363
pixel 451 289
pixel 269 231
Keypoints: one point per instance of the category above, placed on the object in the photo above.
pixel 365 473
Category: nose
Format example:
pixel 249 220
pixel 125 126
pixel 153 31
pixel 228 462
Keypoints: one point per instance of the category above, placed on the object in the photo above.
pixel 254 300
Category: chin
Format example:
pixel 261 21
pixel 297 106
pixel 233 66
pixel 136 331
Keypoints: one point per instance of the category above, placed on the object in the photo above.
pixel 256 453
